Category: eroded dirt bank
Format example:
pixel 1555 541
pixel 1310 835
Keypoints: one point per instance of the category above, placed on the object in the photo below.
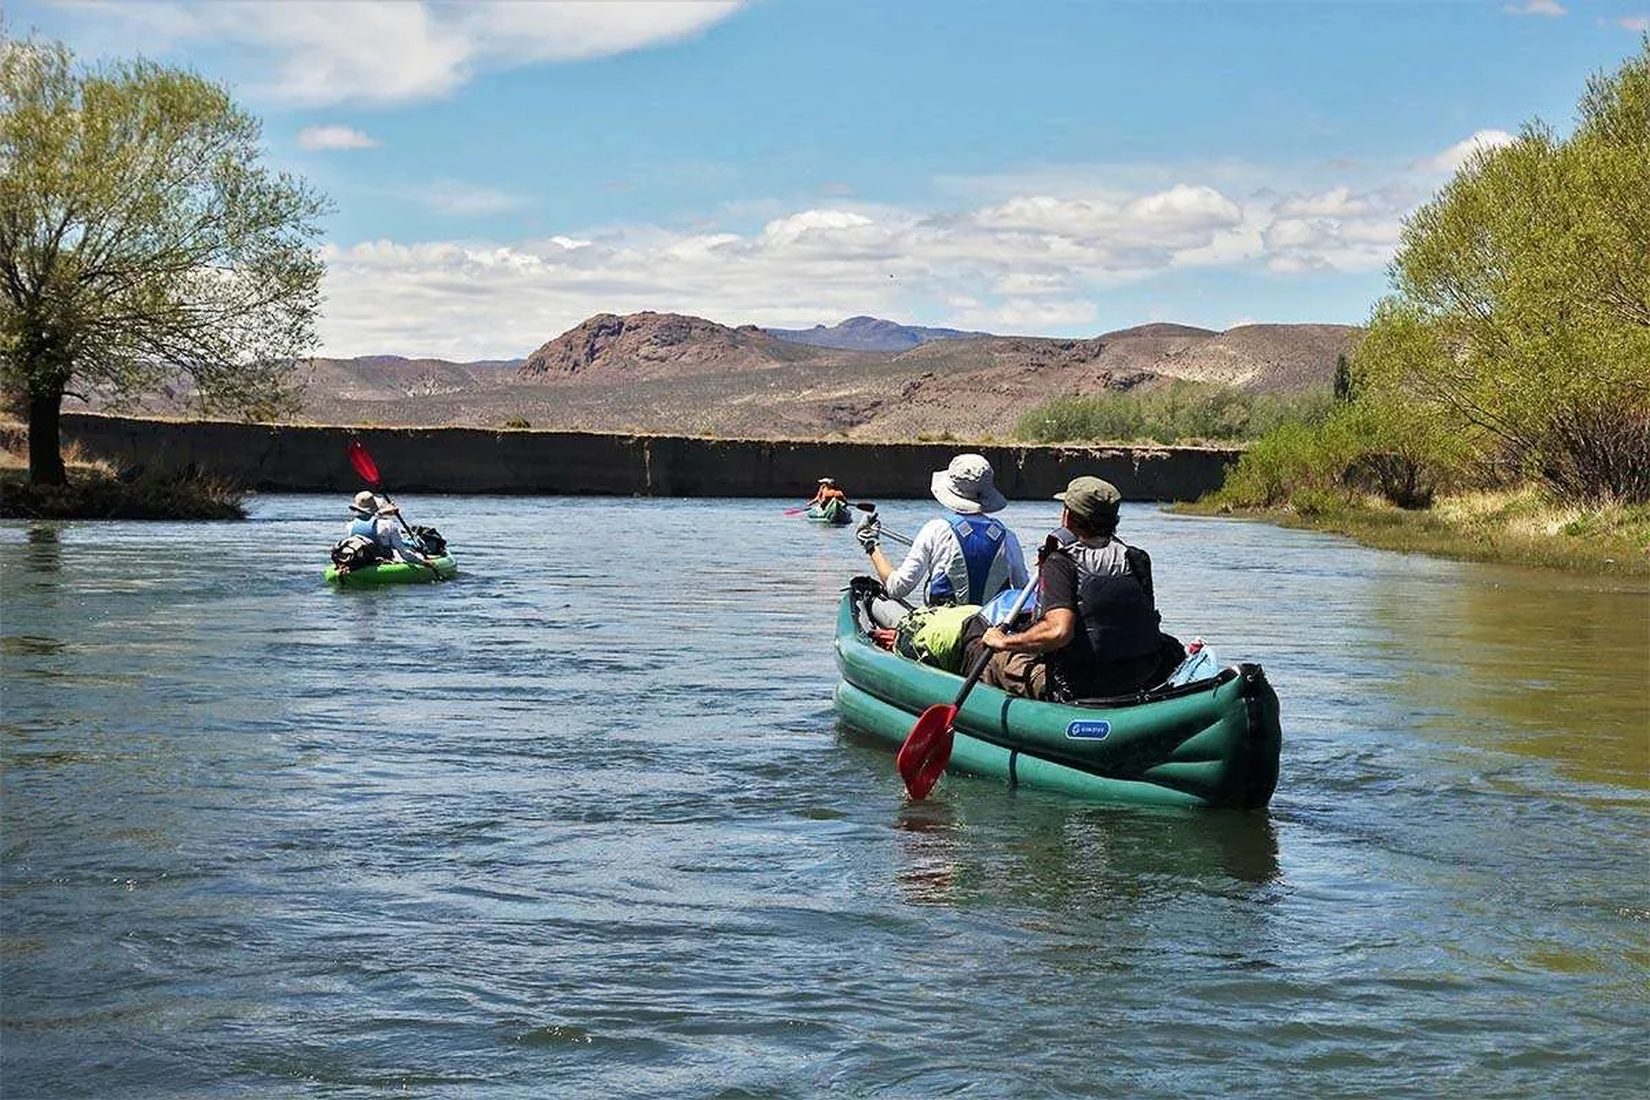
pixel 292 458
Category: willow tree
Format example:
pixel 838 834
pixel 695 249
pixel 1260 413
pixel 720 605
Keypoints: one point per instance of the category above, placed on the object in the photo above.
pixel 1522 304
pixel 143 243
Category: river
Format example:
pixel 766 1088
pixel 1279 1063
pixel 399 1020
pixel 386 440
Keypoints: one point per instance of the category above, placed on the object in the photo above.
pixel 581 822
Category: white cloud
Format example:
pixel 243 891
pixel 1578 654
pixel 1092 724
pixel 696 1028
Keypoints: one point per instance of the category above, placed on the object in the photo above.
pixel 1451 159
pixel 333 137
pixel 1023 283
pixel 1552 9
pixel 1030 316
pixel 1028 264
pixel 1638 24
pixel 1338 230
pixel 314 53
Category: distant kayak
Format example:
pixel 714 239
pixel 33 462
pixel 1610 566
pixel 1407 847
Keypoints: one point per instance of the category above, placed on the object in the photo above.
pixel 833 511
pixel 1211 742
pixel 444 568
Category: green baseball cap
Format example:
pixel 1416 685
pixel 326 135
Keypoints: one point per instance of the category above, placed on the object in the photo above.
pixel 1090 497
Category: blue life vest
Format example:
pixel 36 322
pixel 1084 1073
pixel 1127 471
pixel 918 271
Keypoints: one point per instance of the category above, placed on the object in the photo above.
pixel 981 539
pixel 996 611
pixel 364 526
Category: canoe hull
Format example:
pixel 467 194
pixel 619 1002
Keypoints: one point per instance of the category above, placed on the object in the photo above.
pixel 836 516
pixel 1213 743
pixel 372 576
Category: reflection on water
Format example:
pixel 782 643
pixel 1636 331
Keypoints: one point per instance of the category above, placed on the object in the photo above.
pixel 582 823
pixel 1546 664
pixel 44 552
pixel 1084 860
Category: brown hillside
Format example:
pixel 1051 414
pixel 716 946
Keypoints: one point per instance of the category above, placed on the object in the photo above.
pixel 654 345
pixel 661 372
pixel 1263 357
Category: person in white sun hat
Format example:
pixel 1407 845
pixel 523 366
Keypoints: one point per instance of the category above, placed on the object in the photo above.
pixel 370 519
pixel 965 557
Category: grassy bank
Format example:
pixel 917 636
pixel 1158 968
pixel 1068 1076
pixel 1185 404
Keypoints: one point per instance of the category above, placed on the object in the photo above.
pixel 1522 527
pixel 94 490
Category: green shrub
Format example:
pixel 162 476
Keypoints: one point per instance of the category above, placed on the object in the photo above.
pixel 1292 458
pixel 1180 412
pixel 1403 452
pixel 517 423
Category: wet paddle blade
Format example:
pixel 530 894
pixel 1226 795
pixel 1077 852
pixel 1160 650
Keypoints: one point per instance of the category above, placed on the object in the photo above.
pixel 363 463
pixel 927 749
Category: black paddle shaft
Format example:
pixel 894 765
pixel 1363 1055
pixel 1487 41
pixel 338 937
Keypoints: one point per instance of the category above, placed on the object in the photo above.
pixel 985 658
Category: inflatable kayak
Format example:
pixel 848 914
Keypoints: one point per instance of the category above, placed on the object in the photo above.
pixel 830 512
pixel 394 572
pixel 1211 742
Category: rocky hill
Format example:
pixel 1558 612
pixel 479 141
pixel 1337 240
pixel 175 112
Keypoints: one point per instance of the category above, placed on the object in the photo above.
pixel 869 334
pixel 653 345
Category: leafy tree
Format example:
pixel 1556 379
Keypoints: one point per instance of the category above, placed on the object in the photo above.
pixel 143 242
pixel 1522 304
pixel 1343 379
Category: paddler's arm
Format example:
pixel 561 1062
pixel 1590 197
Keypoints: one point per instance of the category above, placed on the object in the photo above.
pixel 1054 630
pixel 908 576
pixel 1058 599
pixel 880 562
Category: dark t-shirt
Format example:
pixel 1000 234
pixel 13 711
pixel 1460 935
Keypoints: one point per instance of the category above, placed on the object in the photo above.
pixel 1076 671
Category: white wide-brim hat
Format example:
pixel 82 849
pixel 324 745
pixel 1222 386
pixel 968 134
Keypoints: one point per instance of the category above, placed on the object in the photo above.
pixel 967 486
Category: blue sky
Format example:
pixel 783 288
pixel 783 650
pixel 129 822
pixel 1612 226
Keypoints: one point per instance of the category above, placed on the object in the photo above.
pixel 503 170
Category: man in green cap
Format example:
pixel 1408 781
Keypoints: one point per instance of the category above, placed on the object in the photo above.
pixel 1097 634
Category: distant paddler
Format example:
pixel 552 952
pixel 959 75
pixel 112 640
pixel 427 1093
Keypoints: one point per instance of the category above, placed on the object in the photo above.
pixel 827 492
pixel 380 521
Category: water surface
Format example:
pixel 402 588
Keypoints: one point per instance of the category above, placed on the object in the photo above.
pixel 582 823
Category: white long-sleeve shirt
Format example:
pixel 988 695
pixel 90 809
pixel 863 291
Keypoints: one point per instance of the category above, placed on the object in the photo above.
pixel 386 532
pixel 936 552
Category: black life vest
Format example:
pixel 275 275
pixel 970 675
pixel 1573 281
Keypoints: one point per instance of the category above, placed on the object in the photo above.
pixel 1118 619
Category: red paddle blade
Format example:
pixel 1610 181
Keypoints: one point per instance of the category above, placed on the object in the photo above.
pixel 927 749
pixel 363 463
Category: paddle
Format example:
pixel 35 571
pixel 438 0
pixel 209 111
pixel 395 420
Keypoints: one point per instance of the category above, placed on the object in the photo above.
pixel 927 749
pixel 863 505
pixel 871 507
pixel 368 469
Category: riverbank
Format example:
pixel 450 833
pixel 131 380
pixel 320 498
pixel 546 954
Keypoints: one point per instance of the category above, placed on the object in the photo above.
pixel 287 458
pixel 98 495
pixel 1513 527
pixel 95 490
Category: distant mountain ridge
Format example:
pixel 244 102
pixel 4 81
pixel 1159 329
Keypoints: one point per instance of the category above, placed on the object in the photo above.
pixel 869 334
pixel 677 374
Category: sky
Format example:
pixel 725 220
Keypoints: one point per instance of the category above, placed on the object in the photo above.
pixel 502 170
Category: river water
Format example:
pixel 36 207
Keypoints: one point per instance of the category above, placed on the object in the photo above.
pixel 582 823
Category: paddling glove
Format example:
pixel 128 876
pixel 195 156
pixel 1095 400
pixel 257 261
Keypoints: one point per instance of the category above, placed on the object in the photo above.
pixel 869 535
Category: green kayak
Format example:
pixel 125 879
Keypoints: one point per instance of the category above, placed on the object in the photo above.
pixel 831 512
pixel 1212 742
pixel 394 572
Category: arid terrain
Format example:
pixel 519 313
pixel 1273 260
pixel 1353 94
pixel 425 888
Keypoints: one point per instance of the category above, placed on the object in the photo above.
pixel 661 372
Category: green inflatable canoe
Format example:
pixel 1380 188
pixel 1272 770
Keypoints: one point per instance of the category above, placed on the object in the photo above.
pixel 394 572
pixel 1212 742
pixel 834 512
